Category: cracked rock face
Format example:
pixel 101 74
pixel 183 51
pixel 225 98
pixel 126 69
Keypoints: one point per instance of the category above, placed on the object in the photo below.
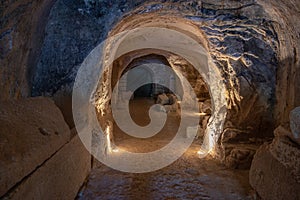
pixel 241 37
pixel 32 130
pixel 244 48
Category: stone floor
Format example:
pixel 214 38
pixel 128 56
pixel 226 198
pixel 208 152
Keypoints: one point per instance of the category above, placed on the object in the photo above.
pixel 187 178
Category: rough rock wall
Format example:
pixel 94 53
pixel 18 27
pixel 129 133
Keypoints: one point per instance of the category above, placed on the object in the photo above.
pixel 73 30
pixel 241 36
pixel 247 40
pixel 21 36
pixel 243 45
pixel 286 15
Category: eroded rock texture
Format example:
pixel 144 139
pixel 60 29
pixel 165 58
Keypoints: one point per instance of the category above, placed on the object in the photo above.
pixel 285 14
pixel 236 39
pixel 275 169
pixel 21 38
pixel 271 179
pixel 247 41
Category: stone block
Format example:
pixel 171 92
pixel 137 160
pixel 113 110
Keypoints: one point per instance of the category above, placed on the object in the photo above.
pixel 63 100
pixel 31 131
pixel 271 178
pixel 60 177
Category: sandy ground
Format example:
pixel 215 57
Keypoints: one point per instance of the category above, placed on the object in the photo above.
pixel 187 178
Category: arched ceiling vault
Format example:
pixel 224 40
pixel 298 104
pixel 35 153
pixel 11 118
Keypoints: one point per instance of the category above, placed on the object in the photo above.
pixel 244 51
pixel 196 55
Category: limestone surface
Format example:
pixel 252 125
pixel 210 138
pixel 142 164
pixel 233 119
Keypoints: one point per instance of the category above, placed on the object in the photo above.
pixel 275 170
pixel 273 178
pixel 60 177
pixel 31 131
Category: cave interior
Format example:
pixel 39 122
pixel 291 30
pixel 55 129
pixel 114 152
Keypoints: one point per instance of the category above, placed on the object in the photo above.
pixel 153 99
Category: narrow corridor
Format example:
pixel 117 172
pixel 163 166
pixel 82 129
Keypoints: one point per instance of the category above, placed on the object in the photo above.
pixel 187 178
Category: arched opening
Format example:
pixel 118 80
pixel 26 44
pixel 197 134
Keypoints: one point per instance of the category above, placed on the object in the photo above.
pixel 146 67
pixel 200 61
pixel 150 90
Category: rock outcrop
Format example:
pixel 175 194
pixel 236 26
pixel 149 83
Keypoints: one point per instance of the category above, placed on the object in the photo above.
pixel 271 179
pixel 275 169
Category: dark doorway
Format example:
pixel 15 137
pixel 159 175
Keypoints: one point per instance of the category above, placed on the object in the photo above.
pixel 137 76
pixel 144 91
